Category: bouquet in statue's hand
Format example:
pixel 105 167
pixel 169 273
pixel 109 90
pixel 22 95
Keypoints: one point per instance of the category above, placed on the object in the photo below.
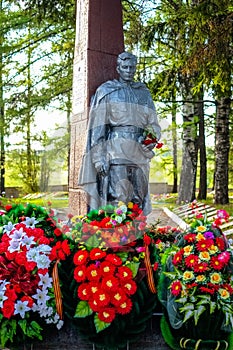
pixel 150 138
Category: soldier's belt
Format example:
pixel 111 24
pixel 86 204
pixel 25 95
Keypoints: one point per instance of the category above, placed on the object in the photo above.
pixel 127 128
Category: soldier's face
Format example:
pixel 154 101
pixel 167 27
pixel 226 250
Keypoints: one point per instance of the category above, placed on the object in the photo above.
pixel 126 69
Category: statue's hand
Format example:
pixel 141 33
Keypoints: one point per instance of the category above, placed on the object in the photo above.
pixel 101 168
pixel 147 151
pixel 148 147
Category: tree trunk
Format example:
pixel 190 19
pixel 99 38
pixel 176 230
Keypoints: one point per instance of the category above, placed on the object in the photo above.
pixel 202 148
pixel 2 120
pixel 174 149
pixel 187 186
pixel 222 151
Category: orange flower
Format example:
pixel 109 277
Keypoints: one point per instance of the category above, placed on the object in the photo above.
pixel 204 256
pixel 215 278
pixel 224 293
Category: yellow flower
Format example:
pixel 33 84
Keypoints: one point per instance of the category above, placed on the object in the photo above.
pixel 201 229
pixel 130 205
pixel 213 249
pixel 199 236
pixel 204 256
pixel 224 293
pixel 215 278
pixel 121 203
pixel 200 278
pixel 188 275
pixel 188 250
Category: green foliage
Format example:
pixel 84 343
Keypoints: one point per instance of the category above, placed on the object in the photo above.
pixel 83 309
pixel 100 325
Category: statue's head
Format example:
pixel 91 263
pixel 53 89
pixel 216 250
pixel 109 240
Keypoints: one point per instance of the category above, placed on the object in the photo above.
pixel 126 66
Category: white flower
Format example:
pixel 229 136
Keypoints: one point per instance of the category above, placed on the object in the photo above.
pixel 118 219
pixel 14 246
pixel 44 248
pixel 49 320
pixel 21 308
pixel 2 298
pixel 3 284
pixel 41 296
pixel 7 228
pixel 18 234
pixel 123 208
pixel 42 261
pixel 45 281
pixel 60 324
pixel 28 241
pixel 44 311
pixel 32 254
pixel 30 222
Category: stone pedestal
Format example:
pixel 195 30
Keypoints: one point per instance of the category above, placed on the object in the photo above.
pixel 99 40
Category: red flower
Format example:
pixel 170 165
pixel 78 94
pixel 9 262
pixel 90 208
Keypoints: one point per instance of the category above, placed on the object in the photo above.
pixel 207 290
pixel 57 232
pixel 114 259
pixel 110 283
pixel 217 222
pixel 80 257
pixel 201 267
pixel 177 259
pixel 8 207
pixel 190 237
pixel 101 298
pixel 20 258
pixel 97 254
pixel 107 315
pixel 30 265
pixel 10 293
pixel 118 297
pixel 155 266
pixel 124 307
pixel 204 244
pixel 84 291
pixel 65 247
pixel 80 273
pixel 129 287
pixel 124 273
pixel 220 242
pixel 176 288
pixel 93 273
pixel 8 308
pixel 191 260
pixel 191 285
pixel 105 223
pixel 216 264
pixel 107 269
pixel 93 287
pixel 146 239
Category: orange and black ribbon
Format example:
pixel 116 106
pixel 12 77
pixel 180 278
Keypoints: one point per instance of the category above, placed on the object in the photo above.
pixel 150 276
pixel 57 290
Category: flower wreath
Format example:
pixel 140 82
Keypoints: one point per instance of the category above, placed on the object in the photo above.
pixel 196 287
pixel 31 245
pixel 112 301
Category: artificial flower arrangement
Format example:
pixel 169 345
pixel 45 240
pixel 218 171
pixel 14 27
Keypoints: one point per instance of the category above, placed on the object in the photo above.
pixel 31 245
pixel 112 300
pixel 196 288
pixel 150 137
pixel 163 236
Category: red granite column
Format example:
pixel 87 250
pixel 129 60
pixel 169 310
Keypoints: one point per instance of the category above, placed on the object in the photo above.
pixel 99 39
